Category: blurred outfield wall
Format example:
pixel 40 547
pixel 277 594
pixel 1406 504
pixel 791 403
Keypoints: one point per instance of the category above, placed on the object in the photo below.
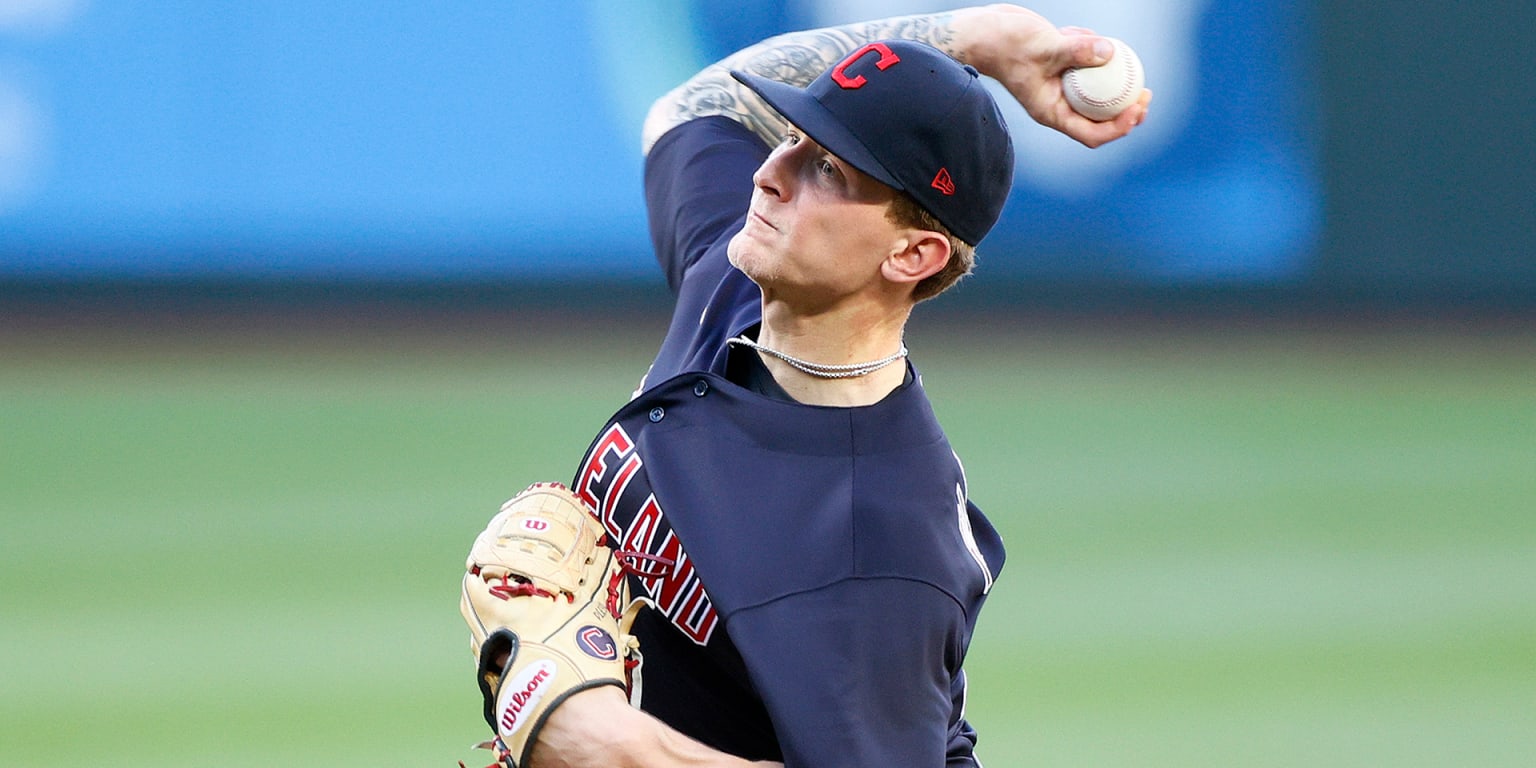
pixel 1350 150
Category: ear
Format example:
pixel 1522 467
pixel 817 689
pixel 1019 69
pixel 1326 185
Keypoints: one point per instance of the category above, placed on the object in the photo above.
pixel 920 254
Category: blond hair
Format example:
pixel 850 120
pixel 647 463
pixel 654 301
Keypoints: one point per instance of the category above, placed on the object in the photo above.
pixel 905 212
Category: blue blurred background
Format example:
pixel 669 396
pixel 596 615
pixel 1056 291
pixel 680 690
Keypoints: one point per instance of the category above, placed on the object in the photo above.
pixel 1351 152
pixel 292 295
pixel 445 141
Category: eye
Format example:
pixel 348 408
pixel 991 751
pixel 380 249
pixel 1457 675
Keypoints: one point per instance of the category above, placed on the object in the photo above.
pixel 825 167
pixel 790 139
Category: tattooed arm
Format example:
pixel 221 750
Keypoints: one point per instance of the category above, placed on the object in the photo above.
pixel 1018 47
pixel 795 58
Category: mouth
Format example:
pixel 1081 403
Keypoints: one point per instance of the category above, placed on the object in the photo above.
pixel 754 216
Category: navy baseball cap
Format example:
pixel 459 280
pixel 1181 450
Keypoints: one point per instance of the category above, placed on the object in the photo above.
pixel 915 119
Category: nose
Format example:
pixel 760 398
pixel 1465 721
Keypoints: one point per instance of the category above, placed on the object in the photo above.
pixel 772 177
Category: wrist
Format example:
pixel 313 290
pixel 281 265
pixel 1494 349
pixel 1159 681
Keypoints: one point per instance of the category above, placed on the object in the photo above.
pixel 991 37
pixel 591 728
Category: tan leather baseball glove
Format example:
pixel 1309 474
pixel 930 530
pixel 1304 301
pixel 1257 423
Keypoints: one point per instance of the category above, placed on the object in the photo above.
pixel 545 601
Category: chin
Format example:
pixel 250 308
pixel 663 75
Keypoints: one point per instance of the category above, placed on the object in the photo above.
pixel 753 258
pixel 738 252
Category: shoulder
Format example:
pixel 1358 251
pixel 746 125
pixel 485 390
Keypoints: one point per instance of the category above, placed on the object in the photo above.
pixel 704 134
pixel 698 184
pixel 912 513
pixel 710 153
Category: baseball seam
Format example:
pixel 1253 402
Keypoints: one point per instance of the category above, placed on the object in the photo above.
pixel 1125 86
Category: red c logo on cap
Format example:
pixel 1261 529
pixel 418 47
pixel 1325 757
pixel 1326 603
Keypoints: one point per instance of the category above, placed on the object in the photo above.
pixel 887 58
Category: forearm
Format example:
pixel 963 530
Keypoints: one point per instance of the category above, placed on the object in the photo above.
pixel 795 58
pixel 598 729
pixel 1019 48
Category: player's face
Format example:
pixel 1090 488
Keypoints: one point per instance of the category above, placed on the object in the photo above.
pixel 817 228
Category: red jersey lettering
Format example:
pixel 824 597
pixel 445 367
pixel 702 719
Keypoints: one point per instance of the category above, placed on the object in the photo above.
pixel 610 481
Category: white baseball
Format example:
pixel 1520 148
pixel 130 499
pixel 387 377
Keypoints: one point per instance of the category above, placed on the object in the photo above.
pixel 1099 93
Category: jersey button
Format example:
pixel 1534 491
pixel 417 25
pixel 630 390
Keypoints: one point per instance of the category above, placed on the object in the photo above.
pixel 701 388
pixel 658 413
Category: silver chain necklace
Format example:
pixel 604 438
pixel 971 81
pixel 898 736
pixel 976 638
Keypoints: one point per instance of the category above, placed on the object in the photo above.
pixel 848 371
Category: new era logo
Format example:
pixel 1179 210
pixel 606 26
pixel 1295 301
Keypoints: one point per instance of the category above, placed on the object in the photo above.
pixel 943 182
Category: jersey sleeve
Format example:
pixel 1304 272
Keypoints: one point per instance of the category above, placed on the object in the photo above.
pixel 863 673
pixel 698 184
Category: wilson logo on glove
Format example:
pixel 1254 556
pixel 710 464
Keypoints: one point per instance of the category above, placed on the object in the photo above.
pixel 525 691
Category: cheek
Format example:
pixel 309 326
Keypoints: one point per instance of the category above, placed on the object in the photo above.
pixel 857 229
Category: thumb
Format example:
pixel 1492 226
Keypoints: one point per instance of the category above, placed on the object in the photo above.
pixel 1084 50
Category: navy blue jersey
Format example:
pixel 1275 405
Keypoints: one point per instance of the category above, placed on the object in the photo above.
pixel 814 572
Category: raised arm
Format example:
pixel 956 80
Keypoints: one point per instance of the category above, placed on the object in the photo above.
pixel 1016 46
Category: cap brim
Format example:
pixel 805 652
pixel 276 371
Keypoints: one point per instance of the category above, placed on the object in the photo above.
pixel 803 111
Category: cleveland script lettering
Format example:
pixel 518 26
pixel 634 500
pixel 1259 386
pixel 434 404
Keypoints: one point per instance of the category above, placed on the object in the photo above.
pixel 613 482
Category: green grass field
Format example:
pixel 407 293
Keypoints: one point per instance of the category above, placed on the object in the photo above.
pixel 1227 547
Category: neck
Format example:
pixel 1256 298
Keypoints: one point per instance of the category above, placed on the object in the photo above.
pixel 836 341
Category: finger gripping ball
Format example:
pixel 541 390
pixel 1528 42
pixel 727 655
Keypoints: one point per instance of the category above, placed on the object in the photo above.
pixel 1100 93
